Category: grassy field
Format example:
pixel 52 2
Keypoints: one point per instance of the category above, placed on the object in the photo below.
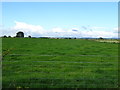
pixel 59 63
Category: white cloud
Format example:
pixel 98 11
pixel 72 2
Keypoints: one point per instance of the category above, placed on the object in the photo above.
pixel 28 28
pixel 58 30
pixel 98 28
pixel 38 31
pixel 115 29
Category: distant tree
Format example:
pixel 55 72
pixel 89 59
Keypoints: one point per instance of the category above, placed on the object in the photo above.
pixel 9 36
pixel 20 34
pixel 5 36
pixel 29 36
pixel 100 38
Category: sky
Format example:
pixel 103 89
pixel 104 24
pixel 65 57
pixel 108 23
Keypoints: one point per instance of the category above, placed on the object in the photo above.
pixel 61 19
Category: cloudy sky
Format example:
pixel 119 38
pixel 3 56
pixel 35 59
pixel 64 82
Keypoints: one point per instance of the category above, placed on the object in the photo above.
pixel 61 19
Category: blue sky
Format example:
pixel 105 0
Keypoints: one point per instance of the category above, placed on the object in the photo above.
pixel 60 17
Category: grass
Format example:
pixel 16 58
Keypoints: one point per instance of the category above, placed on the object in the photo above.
pixel 59 63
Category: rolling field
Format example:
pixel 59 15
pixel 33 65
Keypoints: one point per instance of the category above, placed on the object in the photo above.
pixel 59 63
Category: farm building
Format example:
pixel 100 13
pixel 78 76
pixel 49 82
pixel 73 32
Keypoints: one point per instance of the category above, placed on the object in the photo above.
pixel 20 34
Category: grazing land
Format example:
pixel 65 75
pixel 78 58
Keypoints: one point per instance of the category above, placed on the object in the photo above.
pixel 59 63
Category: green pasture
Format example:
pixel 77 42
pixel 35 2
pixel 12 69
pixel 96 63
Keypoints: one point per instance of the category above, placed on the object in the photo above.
pixel 59 63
